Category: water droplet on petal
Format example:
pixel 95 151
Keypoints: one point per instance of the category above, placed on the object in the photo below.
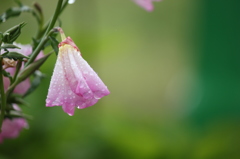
pixel 70 114
pixel 69 92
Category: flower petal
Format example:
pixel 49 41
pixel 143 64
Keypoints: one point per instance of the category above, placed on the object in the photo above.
pixel 73 73
pixel 93 81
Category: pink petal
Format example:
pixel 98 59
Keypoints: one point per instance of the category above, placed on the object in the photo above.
pixel 95 84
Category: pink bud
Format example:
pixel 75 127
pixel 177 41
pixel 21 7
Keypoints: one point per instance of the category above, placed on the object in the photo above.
pixel 146 4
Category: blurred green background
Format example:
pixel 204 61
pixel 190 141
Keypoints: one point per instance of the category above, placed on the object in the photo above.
pixel 173 74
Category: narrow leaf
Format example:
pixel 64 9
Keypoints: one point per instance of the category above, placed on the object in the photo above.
pixel 38 77
pixel 9 46
pixel 12 34
pixel 6 74
pixel 27 71
pixel 14 55
pixel 16 98
pixel 54 44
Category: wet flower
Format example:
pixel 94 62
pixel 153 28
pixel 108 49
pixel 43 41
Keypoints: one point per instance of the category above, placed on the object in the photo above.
pixel 74 83
pixel 22 87
pixel 146 4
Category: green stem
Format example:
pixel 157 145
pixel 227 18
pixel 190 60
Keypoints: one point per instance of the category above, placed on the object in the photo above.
pixel 47 24
pixel 43 41
pixel 3 97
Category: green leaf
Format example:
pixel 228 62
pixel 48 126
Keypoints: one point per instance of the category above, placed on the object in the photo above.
pixel 14 55
pixel 18 99
pixel 9 46
pixel 6 74
pixel 12 34
pixel 1 37
pixel 35 43
pixel 37 79
pixel 54 44
pixel 30 69
pixel 17 114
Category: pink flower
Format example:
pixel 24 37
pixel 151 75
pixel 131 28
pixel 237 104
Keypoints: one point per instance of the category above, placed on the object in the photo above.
pixel 22 87
pixel 74 83
pixel 12 127
pixel 146 4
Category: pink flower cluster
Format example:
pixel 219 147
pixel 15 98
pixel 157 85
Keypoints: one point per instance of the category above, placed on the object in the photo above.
pixel 74 83
pixel 22 87
pixel 12 127
pixel 146 4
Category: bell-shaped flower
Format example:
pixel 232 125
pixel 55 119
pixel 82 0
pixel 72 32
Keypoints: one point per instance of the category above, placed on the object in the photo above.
pixel 146 4
pixel 22 87
pixel 74 83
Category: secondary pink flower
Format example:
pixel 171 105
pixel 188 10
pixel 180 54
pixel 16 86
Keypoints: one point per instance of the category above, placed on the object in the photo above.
pixel 146 4
pixel 22 87
pixel 74 83
pixel 12 127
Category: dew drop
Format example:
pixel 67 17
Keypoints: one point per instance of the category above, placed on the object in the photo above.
pixel 70 114
pixel 69 92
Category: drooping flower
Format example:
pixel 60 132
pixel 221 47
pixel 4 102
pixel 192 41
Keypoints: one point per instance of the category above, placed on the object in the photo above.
pixel 146 4
pixel 22 87
pixel 74 83
pixel 12 127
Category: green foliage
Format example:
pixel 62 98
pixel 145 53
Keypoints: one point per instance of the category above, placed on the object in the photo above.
pixel 14 55
pixel 30 69
pixel 13 33
pixel 9 46
pixel 13 12
pixel 37 79
pixel 6 74
pixel 16 98
pixel 54 44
